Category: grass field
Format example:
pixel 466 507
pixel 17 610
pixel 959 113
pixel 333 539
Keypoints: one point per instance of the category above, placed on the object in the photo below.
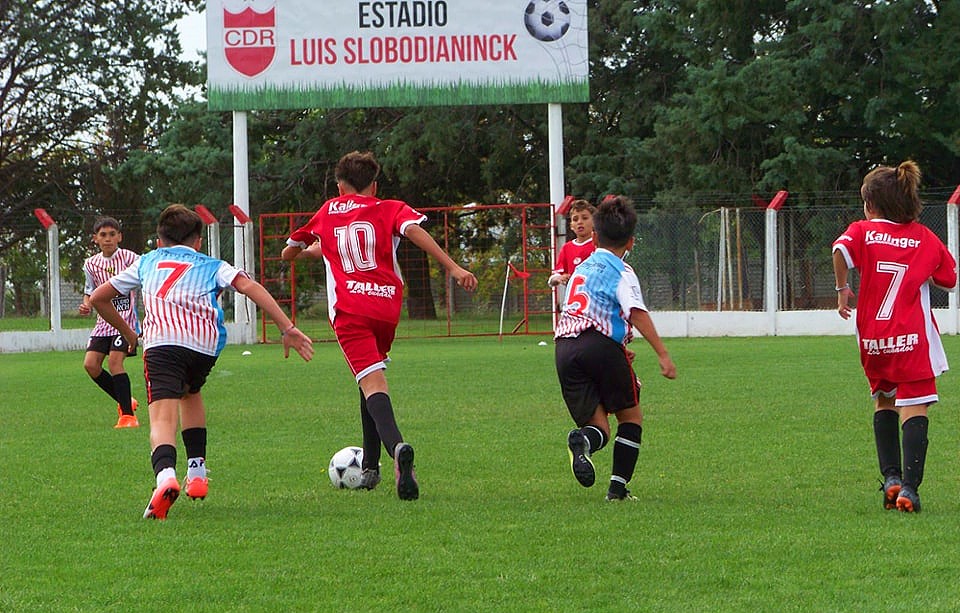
pixel 757 481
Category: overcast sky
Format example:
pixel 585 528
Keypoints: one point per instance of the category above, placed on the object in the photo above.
pixel 193 35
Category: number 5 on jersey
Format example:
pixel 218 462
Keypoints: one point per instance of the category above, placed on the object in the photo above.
pixel 577 299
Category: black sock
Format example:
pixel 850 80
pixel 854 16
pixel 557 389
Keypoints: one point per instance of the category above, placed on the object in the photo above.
pixel 626 450
pixel 105 381
pixel 195 442
pixel 164 456
pixel 381 411
pixel 914 450
pixel 121 387
pixel 598 440
pixel 886 432
pixel 371 440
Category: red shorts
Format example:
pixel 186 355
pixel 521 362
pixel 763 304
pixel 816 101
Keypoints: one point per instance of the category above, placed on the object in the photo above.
pixel 364 341
pixel 907 394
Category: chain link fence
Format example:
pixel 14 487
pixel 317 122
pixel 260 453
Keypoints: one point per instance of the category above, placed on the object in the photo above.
pixel 688 258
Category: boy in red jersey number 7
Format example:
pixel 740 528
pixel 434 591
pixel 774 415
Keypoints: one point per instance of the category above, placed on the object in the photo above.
pixel 898 259
pixel 358 235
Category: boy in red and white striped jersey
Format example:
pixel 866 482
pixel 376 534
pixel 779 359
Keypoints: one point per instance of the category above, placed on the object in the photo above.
pixel 105 341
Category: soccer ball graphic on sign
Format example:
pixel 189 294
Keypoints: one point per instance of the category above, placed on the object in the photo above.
pixel 547 20
pixel 345 468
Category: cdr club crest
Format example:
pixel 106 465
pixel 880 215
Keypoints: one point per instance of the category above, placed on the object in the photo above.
pixel 250 35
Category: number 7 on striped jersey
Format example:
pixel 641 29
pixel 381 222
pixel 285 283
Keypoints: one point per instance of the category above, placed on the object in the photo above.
pixel 177 270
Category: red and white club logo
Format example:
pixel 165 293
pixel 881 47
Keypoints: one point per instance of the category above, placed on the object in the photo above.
pixel 250 35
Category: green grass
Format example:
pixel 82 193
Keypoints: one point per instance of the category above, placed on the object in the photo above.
pixel 334 95
pixel 757 482
pixel 42 323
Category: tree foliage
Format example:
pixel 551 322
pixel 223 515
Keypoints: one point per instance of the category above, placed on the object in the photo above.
pixel 82 84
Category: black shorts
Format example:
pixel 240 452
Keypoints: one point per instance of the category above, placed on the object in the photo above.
pixel 106 344
pixel 173 372
pixel 594 370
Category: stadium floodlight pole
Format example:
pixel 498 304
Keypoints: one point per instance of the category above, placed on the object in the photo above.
pixel 245 311
pixel 53 265
pixel 953 245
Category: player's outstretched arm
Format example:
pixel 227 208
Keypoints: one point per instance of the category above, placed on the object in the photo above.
pixel 641 320
pixel 292 337
pixel 102 300
pixel 421 238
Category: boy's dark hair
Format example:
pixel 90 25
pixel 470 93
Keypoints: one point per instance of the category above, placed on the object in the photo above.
pixel 179 225
pixel 614 222
pixel 105 222
pixel 582 205
pixel 894 192
pixel 357 169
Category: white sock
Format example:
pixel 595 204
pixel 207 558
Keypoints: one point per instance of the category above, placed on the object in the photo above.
pixel 165 474
pixel 196 467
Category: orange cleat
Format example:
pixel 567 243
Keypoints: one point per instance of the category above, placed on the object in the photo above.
pixel 133 405
pixel 127 421
pixel 196 487
pixel 162 499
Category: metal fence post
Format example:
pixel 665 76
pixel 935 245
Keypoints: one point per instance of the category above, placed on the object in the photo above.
pixel 953 244
pixel 771 280
pixel 53 266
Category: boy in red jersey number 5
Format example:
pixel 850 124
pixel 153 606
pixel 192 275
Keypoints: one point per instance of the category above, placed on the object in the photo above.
pixel 898 258
pixel 358 235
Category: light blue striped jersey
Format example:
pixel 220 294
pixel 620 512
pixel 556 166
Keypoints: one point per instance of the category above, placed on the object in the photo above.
pixel 180 287
pixel 600 294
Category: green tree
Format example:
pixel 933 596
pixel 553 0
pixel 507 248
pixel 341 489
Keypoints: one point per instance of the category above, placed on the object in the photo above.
pixel 82 83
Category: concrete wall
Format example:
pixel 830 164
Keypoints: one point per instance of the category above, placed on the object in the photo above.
pixel 72 340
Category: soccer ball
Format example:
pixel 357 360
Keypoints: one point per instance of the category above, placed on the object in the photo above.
pixel 346 467
pixel 547 20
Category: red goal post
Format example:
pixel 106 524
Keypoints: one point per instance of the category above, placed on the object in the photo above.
pixel 492 241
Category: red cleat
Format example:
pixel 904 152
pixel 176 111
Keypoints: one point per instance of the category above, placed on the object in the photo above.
pixel 162 499
pixel 196 488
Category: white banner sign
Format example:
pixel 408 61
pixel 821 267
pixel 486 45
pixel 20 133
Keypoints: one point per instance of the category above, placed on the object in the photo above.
pixel 270 54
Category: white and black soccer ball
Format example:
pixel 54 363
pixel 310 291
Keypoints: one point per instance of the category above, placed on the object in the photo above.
pixel 547 20
pixel 346 466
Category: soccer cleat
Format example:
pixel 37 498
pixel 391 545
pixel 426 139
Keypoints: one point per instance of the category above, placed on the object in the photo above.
pixel 407 487
pixel 891 487
pixel 162 499
pixel 908 500
pixel 127 421
pixel 626 495
pixel 369 479
pixel 133 405
pixel 196 487
pixel 579 449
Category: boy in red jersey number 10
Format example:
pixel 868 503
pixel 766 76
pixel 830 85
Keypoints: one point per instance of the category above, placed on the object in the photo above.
pixel 357 234
pixel 898 259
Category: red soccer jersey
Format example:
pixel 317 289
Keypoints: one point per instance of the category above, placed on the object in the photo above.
pixel 571 254
pixel 358 238
pixel 898 336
